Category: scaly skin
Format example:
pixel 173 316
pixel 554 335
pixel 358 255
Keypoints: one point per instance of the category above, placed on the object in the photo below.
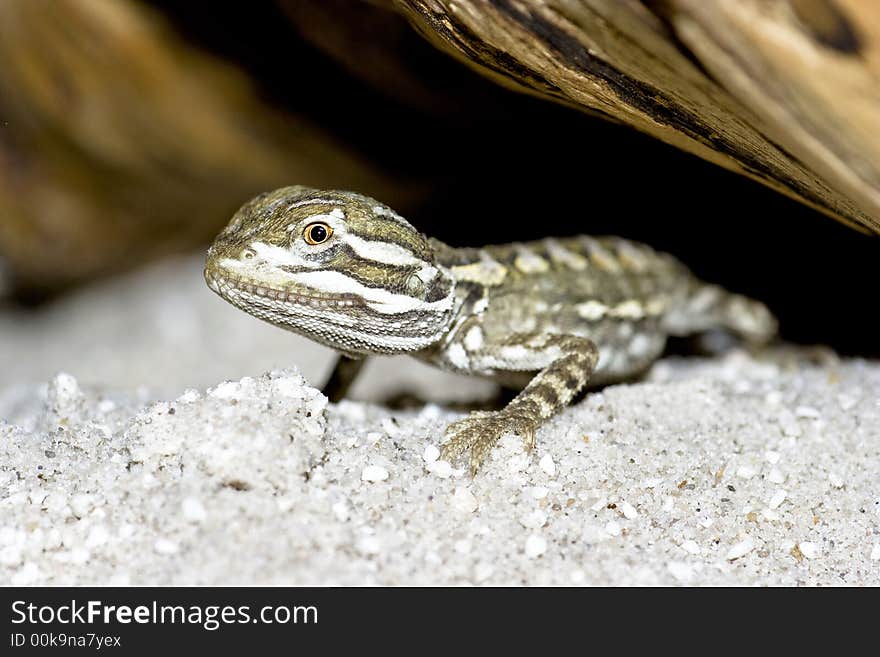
pixel 547 316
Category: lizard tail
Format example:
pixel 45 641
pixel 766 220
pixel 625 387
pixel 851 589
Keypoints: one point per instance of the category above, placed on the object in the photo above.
pixel 712 307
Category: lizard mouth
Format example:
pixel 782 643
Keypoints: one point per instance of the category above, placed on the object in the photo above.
pixel 224 284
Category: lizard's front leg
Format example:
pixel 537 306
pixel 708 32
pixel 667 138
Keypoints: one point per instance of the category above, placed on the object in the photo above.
pixel 566 363
pixel 345 371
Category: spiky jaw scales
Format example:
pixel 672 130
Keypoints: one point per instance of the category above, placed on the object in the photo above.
pixel 233 288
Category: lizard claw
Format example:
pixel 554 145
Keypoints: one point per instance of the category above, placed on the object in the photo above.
pixel 480 431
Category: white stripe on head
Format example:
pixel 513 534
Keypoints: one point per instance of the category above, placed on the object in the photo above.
pixel 277 256
pixel 380 300
pixel 388 213
pixel 313 201
pixel 384 252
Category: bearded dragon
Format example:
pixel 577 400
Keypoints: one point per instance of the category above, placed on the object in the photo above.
pixel 547 317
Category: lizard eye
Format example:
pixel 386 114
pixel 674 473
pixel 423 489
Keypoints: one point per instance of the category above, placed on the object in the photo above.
pixel 317 233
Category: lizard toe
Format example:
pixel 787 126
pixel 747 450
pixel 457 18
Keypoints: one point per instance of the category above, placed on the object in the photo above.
pixel 461 435
pixel 481 431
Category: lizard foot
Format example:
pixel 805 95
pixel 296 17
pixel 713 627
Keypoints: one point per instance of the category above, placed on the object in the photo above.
pixel 481 430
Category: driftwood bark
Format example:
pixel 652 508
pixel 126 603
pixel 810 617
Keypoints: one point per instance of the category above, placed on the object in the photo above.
pixel 784 91
pixel 123 137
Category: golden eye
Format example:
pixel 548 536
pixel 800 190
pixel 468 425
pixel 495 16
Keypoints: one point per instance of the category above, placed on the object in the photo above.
pixel 317 233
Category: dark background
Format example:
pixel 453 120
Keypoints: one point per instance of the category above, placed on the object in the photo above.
pixel 506 167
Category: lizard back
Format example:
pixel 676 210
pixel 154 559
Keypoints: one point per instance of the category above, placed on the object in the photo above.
pixel 623 295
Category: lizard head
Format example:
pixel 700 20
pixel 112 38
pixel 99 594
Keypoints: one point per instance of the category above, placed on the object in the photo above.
pixel 337 267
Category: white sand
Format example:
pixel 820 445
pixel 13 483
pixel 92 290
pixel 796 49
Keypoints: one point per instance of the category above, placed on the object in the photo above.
pixel 722 471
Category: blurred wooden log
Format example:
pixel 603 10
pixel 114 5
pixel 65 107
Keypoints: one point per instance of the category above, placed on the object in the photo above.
pixel 118 141
pixel 783 91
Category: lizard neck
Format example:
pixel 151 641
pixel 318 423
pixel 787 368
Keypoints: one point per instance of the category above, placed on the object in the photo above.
pixel 474 273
